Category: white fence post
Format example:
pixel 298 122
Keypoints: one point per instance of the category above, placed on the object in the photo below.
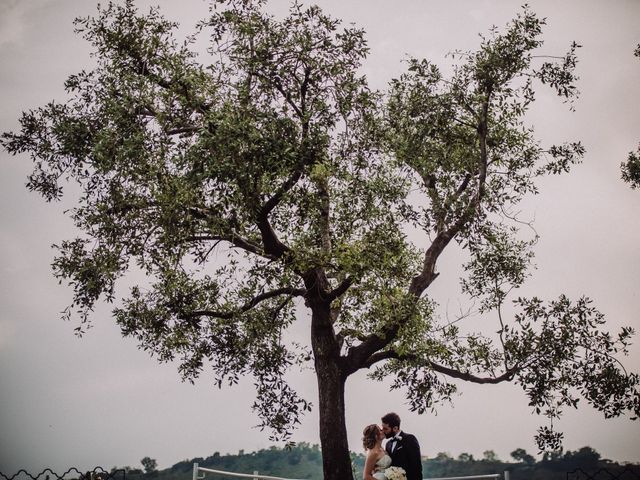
pixel 255 472
pixel 507 475
pixel 195 471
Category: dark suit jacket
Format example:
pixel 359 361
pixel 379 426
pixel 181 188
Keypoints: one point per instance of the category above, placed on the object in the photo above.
pixel 407 455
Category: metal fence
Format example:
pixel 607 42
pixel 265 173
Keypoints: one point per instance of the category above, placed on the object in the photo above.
pixel 73 473
pixel 627 473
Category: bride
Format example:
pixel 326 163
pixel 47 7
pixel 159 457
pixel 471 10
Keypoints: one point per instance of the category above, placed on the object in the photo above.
pixel 377 459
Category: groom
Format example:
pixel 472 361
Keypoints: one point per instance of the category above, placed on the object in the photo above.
pixel 403 448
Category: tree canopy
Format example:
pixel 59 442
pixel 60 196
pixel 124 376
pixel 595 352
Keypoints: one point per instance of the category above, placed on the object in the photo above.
pixel 265 182
pixel 150 465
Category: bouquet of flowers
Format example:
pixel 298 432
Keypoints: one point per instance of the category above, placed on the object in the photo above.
pixel 395 473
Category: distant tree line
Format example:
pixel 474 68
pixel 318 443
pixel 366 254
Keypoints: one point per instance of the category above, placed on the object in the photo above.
pixel 523 466
pixel 304 460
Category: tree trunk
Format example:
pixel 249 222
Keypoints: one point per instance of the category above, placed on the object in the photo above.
pixel 336 461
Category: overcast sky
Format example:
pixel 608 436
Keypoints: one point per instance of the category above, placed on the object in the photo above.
pixel 99 401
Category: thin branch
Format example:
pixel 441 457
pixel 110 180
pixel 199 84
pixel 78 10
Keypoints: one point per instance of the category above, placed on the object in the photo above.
pixel 234 240
pixel 143 69
pixel 450 372
pixel 548 56
pixel 279 308
pixel 291 292
pixel 461 316
pixel 514 217
pixel 282 190
pixel 285 94
pixel 462 122
pixel 501 332
pixel 611 357
pixel 202 259
pixel 179 130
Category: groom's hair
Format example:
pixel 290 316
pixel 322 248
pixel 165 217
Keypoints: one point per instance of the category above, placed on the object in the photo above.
pixel 391 419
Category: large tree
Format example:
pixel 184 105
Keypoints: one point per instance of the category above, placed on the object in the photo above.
pixel 270 185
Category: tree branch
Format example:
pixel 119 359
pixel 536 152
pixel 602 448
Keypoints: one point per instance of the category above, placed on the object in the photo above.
pixel 179 130
pixel 281 191
pixel 273 247
pixel 142 68
pixel 291 292
pixel 358 356
pixel 506 376
pixel 428 274
pixel 340 289
pixel 450 372
pixel 234 239
pixel 286 95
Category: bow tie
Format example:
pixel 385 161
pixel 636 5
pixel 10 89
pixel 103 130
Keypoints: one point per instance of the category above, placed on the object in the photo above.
pixel 393 443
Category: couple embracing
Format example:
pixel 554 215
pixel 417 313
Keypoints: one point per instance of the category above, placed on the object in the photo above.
pixel 398 460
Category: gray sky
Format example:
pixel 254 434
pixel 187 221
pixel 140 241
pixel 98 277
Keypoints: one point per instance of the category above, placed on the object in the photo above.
pixel 99 401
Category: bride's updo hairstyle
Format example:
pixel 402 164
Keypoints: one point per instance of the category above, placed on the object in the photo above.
pixel 369 436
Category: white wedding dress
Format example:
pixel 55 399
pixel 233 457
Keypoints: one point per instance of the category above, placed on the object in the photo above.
pixel 382 464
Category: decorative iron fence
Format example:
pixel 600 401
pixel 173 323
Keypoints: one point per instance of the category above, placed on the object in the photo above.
pixel 626 473
pixel 73 473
